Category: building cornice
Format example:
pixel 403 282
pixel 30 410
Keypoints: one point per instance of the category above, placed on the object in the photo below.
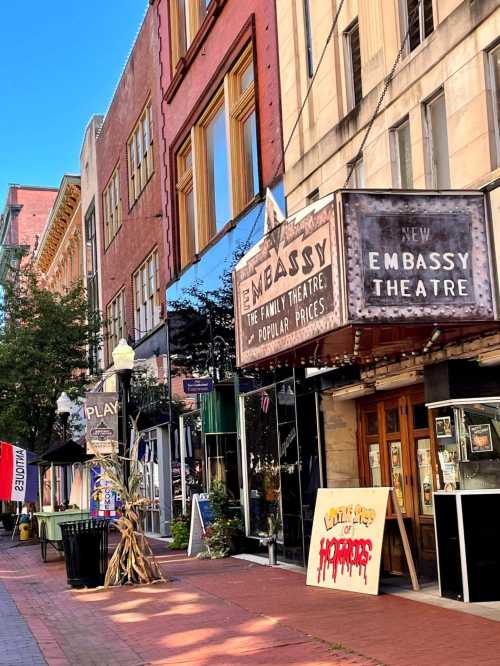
pixel 58 221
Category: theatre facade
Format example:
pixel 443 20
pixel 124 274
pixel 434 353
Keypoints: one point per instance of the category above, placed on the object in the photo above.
pixel 367 323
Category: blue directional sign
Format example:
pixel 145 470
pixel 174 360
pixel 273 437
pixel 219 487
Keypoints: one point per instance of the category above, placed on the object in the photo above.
pixel 198 385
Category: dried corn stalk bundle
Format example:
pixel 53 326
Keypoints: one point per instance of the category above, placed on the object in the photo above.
pixel 133 561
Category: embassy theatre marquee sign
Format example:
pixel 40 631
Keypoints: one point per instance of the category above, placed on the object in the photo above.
pixel 358 258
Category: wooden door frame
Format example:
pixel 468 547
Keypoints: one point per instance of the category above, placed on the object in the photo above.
pixel 406 398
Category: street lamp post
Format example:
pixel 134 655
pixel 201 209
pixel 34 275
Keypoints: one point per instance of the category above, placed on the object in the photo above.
pixel 64 405
pixel 123 360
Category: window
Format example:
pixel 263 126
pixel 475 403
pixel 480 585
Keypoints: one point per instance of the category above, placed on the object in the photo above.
pixel 312 196
pixel 186 203
pixel 111 207
pixel 357 179
pixel 140 154
pixel 216 182
pixel 186 17
pixel 437 142
pixel 401 156
pixel 353 65
pixel 147 296
pixel 494 62
pixel 417 21
pixel 115 314
pixel 218 165
pixel 92 279
pixel 308 37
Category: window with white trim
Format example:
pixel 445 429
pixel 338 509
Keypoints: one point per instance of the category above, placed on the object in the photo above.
pixel 115 315
pixel 111 207
pixel 401 155
pixel 140 154
pixel 352 52
pixel 494 65
pixel 437 142
pixel 146 281
pixel 417 20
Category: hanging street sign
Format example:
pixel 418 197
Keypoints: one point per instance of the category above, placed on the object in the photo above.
pixel 198 385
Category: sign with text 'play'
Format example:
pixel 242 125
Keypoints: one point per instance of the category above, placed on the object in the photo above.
pixel 101 414
pixel 346 541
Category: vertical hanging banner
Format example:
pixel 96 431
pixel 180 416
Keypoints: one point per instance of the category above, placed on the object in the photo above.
pixel 18 479
pixel 104 502
pixel 101 414
pixel 346 541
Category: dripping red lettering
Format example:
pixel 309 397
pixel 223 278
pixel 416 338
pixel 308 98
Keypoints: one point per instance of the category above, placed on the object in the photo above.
pixel 344 554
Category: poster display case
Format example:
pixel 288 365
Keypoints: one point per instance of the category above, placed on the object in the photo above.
pixel 468 443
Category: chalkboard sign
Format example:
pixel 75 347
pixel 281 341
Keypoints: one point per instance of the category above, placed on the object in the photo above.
pixel 201 516
pixel 206 511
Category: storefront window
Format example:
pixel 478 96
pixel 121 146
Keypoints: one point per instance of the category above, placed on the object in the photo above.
pixel 424 466
pixel 222 463
pixel 291 503
pixel 263 464
pixel 397 472
pixel 448 447
pixel 374 461
pixel 371 423
pixel 148 457
pixel 392 420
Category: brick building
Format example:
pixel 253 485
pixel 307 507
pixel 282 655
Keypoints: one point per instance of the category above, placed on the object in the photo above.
pixel 128 158
pixel 22 223
pixel 131 268
pixel 59 255
pixel 223 149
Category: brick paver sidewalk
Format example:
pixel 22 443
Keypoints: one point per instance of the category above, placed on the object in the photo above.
pixel 17 645
pixel 221 613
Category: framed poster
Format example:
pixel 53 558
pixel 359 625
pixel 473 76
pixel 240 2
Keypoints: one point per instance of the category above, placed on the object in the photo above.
pixel 443 427
pixel 480 438
pixel 346 540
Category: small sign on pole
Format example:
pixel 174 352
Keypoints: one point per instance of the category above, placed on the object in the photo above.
pixel 198 385
pixel 101 413
pixel 201 517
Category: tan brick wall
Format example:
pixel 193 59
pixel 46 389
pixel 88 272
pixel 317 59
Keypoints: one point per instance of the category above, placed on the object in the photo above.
pixel 452 57
pixel 339 418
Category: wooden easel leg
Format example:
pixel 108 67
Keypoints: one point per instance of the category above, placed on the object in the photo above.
pixel 406 543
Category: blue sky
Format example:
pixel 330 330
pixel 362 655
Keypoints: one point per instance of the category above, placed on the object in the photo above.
pixel 59 64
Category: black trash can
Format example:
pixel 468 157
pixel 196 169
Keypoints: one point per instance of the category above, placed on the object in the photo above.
pixel 85 551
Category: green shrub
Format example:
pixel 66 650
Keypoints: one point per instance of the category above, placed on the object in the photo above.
pixel 180 533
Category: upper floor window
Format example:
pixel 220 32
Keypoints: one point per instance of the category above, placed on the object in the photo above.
pixel 111 207
pixel 218 165
pixel 308 38
pixel 92 278
pixel 401 155
pixel 115 315
pixel 147 296
pixel 357 179
pixel 353 65
pixel 312 196
pixel 494 63
pixel 186 17
pixel 417 21
pixel 437 142
pixel 140 154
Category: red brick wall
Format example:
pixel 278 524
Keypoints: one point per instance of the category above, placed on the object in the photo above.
pixel 194 90
pixel 141 231
pixel 30 221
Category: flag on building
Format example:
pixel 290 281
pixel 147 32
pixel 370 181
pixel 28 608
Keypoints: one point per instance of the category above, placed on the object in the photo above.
pixel 18 479
pixel 265 402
